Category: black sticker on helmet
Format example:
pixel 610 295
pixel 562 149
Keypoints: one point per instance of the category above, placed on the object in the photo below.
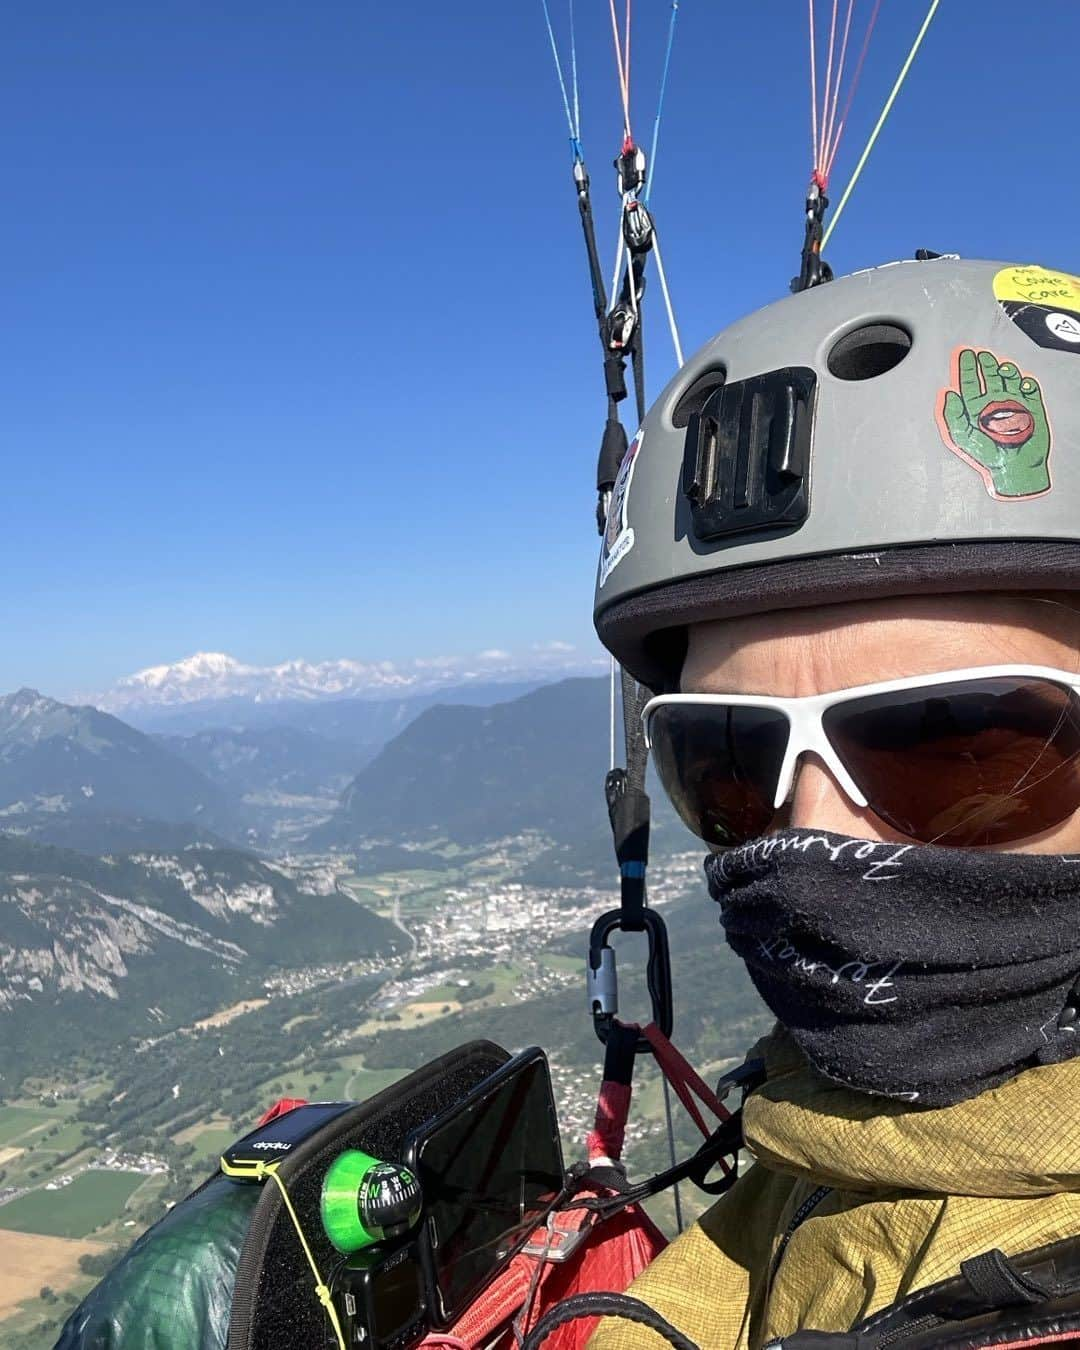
pixel 1043 304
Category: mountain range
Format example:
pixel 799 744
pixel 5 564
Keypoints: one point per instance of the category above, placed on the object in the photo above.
pixel 475 774
pixel 152 915
pixel 77 777
pixel 471 776
pixel 60 764
pixel 284 759
pixel 216 682
pixel 153 940
pixel 81 778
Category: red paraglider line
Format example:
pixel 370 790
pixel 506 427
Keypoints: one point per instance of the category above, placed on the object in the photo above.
pixel 824 145
pixel 830 124
pixel 622 65
pixel 831 157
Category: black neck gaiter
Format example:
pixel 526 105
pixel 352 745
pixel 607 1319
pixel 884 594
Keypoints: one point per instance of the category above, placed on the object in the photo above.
pixel 914 971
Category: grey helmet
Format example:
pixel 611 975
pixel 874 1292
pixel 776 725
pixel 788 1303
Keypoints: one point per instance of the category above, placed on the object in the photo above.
pixel 913 429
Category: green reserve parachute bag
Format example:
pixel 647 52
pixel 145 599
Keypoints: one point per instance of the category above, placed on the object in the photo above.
pixel 230 1267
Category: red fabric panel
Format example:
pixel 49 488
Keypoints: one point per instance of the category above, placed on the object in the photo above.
pixel 1056 1338
pixel 609 1259
pixel 282 1107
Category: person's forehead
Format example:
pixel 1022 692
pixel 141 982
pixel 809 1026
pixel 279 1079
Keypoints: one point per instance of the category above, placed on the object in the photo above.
pixel 809 620
pixel 883 639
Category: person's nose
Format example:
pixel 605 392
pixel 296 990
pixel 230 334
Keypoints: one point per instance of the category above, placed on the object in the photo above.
pixel 818 802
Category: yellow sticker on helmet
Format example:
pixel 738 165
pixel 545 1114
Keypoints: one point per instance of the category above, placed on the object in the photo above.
pixel 1042 303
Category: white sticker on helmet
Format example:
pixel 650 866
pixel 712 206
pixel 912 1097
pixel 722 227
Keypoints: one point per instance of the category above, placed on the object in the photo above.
pixel 1064 326
pixel 618 534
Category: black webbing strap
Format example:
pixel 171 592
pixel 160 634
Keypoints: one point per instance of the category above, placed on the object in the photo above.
pixel 637 352
pixel 629 808
pixel 588 227
pixel 724 1142
pixel 613 447
pixel 605 1305
pixel 613 444
pixel 999 1284
pixel 620 1053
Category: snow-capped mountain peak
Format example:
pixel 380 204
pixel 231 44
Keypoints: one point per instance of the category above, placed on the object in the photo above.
pixel 214 677
pixel 202 666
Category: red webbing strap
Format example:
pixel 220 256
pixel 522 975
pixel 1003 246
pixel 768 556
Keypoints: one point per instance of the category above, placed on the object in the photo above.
pixel 605 1139
pixel 1051 1339
pixel 684 1079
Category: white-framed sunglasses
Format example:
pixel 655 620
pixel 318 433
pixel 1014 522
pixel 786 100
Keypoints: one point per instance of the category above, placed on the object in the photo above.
pixel 974 757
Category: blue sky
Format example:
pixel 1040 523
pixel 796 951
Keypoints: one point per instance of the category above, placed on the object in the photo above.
pixel 297 356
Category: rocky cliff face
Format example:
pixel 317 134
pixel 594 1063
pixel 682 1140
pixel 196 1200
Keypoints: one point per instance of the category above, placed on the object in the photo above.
pixel 76 927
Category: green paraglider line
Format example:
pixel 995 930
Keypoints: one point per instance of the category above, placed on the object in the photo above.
pixel 881 120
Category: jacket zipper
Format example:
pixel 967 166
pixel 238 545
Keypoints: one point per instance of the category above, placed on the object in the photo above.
pixel 923 1323
pixel 799 1217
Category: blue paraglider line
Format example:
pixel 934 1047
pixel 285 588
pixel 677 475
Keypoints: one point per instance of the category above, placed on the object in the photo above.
pixel 660 100
pixel 573 119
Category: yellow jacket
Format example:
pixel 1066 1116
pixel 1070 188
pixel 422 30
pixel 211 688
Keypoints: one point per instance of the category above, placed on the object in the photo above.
pixel 855 1201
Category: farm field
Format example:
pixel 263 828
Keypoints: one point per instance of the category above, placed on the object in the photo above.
pixel 73 1211
pixel 68 1138
pixel 19 1120
pixel 32 1260
pixel 211 1143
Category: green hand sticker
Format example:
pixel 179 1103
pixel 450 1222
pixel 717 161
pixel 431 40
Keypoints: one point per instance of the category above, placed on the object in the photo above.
pixel 997 424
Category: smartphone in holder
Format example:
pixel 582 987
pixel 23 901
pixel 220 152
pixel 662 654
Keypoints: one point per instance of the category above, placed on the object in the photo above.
pixel 491 1170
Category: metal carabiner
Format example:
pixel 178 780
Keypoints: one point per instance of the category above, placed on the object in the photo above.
pixel 813 269
pixel 630 169
pixel 601 976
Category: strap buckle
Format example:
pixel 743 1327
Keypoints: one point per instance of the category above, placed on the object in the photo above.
pixel 560 1244
pixel 746 1076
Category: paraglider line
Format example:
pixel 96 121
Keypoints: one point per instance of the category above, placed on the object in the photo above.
pixel 622 64
pixel 813 88
pixel 881 120
pixel 851 89
pixel 660 100
pixel 671 1154
pixel 828 79
pixel 574 141
pixel 830 121
pixel 667 301
pixel 574 80
pixel 618 271
pixel 611 710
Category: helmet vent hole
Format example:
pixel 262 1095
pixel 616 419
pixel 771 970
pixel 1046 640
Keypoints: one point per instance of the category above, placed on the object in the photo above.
pixel 695 398
pixel 869 351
